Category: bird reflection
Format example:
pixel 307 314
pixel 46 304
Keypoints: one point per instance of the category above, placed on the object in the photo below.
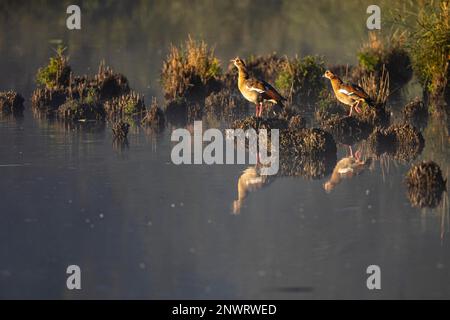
pixel 250 180
pixel 347 167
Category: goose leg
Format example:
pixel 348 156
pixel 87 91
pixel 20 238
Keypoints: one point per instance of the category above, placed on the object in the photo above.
pixel 357 108
pixel 260 109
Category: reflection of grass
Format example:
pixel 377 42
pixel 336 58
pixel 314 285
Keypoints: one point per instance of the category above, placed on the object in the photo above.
pixel 376 87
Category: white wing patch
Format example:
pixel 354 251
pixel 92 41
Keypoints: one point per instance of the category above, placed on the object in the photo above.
pixel 346 92
pixel 345 170
pixel 255 89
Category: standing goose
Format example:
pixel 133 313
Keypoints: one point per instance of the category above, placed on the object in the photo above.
pixel 255 90
pixel 349 94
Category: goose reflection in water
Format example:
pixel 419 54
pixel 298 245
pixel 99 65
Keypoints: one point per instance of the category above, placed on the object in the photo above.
pixel 346 168
pixel 250 180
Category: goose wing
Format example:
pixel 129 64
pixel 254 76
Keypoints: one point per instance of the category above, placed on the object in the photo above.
pixel 262 87
pixel 353 90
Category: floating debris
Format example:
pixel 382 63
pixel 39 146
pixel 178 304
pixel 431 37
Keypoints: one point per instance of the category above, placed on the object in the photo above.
pixel 425 184
pixel 11 103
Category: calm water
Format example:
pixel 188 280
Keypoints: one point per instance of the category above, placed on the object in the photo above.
pixel 141 227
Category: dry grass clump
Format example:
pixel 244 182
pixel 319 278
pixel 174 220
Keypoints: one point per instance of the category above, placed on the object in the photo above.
pixel 154 117
pixel 377 54
pixel 108 83
pixel 125 105
pixel 225 104
pixel 328 107
pixel 425 184
pixel 377 87
pixel 190 71
pixel 11 103
pixel 47 100
pixel 82 97
pixel 300 80
pixel 77 110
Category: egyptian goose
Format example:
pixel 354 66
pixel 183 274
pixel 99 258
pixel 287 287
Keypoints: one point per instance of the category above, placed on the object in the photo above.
pixel 347 167
pixel 349 94
pixel 255 90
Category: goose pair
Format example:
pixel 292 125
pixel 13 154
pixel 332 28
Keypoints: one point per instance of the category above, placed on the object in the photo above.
pixel 259 91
